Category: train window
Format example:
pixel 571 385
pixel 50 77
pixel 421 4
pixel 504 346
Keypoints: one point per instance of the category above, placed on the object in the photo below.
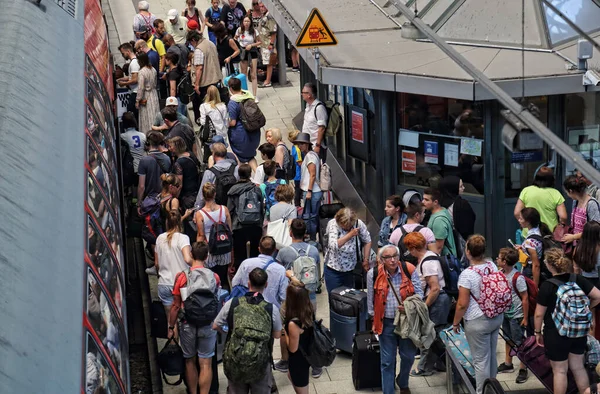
pixel 105 323
pixel 99 134
pixel 98 375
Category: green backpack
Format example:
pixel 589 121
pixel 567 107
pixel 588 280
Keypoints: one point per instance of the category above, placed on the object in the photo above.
pixel 335 122
pixel 249 345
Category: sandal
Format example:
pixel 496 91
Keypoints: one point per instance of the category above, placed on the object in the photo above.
pixel 417 372
pixel 266 85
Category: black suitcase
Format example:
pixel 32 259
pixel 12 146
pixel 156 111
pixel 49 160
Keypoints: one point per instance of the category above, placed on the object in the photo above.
pixel 348 315
pixel 159 324
pixel 366 362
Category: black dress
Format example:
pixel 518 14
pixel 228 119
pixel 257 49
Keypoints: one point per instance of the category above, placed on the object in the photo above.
pixel 298 365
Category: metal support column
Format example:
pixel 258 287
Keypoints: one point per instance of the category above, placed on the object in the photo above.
pixel 281 57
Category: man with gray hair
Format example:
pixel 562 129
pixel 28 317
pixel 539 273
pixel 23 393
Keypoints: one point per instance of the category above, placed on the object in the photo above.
pixel 143 19
pixel 315 119
pixel 382 305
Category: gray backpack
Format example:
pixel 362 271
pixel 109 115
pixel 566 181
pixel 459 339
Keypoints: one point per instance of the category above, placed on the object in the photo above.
pixel 305 269
pixel 249 208
pixel 201 305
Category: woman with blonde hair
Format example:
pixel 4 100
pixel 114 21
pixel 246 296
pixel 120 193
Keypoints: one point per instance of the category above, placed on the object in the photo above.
pixel 564 352
pixel 172 255
pixel 282 154
pixel 297 157
pixel 169 197
pixel 214 119
pixel 205 218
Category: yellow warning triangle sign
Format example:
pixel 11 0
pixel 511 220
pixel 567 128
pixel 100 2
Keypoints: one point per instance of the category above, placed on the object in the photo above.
pixel 315 32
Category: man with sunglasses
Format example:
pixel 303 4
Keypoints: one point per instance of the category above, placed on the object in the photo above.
pixel 382 305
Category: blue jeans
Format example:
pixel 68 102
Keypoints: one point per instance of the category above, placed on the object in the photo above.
pixel 181 108
pixel 311 213
pixel 438 314
pixel 389 342
pixel 335 279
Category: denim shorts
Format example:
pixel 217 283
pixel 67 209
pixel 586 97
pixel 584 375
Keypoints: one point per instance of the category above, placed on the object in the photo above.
pixel 165 294
pixel 512 328
pixel 197 340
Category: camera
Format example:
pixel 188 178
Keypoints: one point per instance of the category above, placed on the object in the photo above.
pixel 591 77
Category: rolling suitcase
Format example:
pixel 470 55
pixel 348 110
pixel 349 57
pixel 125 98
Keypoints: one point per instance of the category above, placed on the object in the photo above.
pixel 459 347
pixel 239 76
pixel 348 315
pixel 366 361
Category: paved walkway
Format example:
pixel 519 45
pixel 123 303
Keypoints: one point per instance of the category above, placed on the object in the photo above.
pixel 280 104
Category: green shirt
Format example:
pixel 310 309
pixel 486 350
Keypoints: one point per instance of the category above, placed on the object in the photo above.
pixel 441 225
pixel 545 200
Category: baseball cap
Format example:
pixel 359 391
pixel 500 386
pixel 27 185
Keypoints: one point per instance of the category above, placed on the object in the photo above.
pixel 172 101
pixel 217 139
pixel 172 14
pixel 192 25
pixel 141 29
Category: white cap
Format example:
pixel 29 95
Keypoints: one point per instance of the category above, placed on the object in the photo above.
pixel 172 101
pixel 172 14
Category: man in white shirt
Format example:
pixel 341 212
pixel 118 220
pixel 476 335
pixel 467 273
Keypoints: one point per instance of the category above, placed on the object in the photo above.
pixel 309 184
pixel 177 26
pixel 131 81
pixel 135 139
pixel 315 119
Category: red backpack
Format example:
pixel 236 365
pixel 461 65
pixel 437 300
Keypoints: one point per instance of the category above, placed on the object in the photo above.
pixel 495 295
pixel 532 291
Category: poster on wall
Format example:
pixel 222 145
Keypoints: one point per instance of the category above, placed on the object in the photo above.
pixel 451 155
pixel 409 161
pixel 431 152
pixel 470 146
pixel 358 133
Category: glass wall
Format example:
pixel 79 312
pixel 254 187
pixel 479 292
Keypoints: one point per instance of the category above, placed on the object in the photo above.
pixel 583 127
pixel 439 137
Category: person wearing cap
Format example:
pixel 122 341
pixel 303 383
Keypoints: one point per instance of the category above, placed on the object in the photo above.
pixel 309 175
pixel 222 164
pixel 143 19
pixel 176 26
pixel 159 123
pixel 218 139
pixel 153 43
pixel 193 25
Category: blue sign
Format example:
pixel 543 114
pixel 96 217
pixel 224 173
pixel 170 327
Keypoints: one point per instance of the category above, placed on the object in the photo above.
pixel 431 152
pixel 526 157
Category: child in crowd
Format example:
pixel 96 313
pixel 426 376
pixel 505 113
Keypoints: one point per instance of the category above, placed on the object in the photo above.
pixel 516 318
pixel 297 157
pixel 267 152
pixel 270 185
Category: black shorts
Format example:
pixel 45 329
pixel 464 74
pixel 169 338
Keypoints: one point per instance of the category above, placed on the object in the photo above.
pixel 253 54
pixel 558 348
pixel 299 369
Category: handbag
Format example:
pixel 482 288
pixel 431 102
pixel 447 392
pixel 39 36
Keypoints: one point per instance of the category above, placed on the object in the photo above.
pixel 280 231
pixel 559 232
pixel 171 361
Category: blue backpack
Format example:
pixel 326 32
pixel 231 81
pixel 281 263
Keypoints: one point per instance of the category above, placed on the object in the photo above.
pixel 270 194
pixel 240 290
pixel 451 268
pixel 150 212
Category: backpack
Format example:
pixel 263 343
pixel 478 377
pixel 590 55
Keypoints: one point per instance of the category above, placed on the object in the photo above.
pixel 305 269
pixel 495 296
pixel 248 347
pixel 288 172
pixel 532 291
pixel 325 177
pixel 220 240
pixel 572 315
pixel 224 180
pixel 153 224
pixel 249 208
pixel 171 361
pixel 241 290
pixel 335 121
pixel 185 89
pixel 270 194
pixel 201 305
pixel 251 116
pixel 127 167
pixel 404 253
pixel 451 271
pixel 320 351
pixel 548 242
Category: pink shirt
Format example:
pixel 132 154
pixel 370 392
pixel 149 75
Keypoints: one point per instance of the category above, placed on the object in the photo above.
pixel 425 231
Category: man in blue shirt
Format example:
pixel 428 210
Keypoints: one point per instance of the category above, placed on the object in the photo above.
pixel 142 47
pixel 274 293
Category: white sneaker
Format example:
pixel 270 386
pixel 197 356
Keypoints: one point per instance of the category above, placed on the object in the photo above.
pixel 152 271
pixel 256 100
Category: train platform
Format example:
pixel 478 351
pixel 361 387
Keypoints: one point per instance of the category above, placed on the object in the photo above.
pixel 280 104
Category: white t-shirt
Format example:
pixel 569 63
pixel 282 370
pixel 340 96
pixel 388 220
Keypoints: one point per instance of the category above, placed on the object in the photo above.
pixel 219 117
pixel 136 141
pixel 311 122
pixel 170 257
pixel 409 228
pixel 134 68
pixel 245 38
pixel 311 157
pixel 472 281
pixel 259 175
pixel 430 268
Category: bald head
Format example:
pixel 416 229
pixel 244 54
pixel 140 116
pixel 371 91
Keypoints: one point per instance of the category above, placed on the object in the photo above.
pixel 168 39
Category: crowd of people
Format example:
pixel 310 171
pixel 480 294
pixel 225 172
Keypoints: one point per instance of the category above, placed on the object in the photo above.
pixel 214 204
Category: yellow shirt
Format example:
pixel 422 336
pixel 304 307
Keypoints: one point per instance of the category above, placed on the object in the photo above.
pixel 545 200
pixel 160 47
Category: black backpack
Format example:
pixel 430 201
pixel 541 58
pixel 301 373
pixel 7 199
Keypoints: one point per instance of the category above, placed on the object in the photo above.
pixel 224 180
pixel 185 89
pixel 127 165
pixel 289 165
pixel 202 305
pixel 220 240
pixel 404 253
pixel 548 242
pixel 320 350
pixel 251 116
